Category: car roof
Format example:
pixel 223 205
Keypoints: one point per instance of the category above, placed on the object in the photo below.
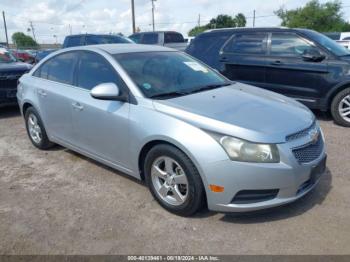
pixel 123 48
pixel 150 32
pixel 253 29
pixel 93 35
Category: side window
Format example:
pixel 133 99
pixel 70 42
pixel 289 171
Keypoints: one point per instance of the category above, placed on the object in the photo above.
pixel 150 38
pixel 93 69
pixel 173 38
pixel 288 45
pixel 253 43
pixel 136 38
pixel 59 68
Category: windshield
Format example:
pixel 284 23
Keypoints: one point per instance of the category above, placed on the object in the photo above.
pixel 329 44
pixel 175 73
pixel 6 56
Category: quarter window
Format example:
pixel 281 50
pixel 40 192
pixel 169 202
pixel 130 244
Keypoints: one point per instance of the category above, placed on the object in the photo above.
pixel 93 70
pixel 173 38
pixel 288 45
pixel 247 44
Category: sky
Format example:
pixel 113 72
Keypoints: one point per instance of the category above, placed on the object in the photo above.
pixel 54 19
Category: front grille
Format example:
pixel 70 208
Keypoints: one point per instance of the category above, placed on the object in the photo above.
pixel 301 133
pixel 309 152
pixel 254 196
pixel 8 84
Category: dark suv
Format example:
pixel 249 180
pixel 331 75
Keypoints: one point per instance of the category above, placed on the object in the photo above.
pixel 91 39
pixel 10 71
pixel 299 63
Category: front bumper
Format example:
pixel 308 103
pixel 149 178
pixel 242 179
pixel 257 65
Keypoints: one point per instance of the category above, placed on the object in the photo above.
pixel 290 180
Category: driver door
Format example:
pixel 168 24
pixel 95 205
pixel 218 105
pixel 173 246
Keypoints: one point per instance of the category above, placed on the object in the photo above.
pixel 289 74
pixel 101 127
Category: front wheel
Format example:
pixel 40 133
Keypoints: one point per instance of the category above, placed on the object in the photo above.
pixel 340 108
pixel 174 180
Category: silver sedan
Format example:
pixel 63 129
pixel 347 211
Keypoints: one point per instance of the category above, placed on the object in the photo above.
pixel 161 116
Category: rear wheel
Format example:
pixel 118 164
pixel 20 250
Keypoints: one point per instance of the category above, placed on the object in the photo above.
pixel 340 108
pixel 36 130
pixel 174 180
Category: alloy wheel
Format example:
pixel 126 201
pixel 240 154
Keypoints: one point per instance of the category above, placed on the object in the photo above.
pixel 169 181
pixel 34 129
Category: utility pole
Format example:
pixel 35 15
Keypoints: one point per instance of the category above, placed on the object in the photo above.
pixel 199 20
pixel 70 29
pixel 7 39
pixel 153 13
pixel 32 27
pixel 133 16
pixel 254 18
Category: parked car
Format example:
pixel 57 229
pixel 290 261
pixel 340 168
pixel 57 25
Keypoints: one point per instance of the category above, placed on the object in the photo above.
pixel 164 38
pixel 92 39
pixel 157 114
pixel 342 38
pixel 43 53
pixel 23 56
pixel 298 63
pixel 10 71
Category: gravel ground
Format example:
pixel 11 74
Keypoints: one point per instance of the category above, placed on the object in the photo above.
pixel 59 202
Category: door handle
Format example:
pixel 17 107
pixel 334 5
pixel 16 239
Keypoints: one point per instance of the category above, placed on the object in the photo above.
pixel 42 93
pixel 77 106
pixel 277 62
pixel 223 59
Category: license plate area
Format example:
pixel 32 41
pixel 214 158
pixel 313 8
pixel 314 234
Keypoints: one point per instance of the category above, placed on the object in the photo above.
pixel 318 170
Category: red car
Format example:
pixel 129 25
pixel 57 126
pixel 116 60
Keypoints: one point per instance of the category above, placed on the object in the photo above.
pixel 23 56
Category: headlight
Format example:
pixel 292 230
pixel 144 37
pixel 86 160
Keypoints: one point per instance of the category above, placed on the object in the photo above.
pixel 241 150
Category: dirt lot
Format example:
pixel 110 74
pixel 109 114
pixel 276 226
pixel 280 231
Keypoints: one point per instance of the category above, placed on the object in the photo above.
pixel 58 202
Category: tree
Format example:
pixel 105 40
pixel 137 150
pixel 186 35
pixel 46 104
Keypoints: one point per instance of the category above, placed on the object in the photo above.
pixel 221 21
pixel 240 20
pixel 23 41
pixel 325 17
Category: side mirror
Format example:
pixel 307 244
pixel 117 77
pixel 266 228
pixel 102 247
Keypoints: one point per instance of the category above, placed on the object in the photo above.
pixel 313 55
pixel 107 91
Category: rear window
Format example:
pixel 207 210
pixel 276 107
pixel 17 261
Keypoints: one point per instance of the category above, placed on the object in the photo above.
pixel 247 44
pixel 149 39
pixel 97 40
pixel 71 41
pixel 206 47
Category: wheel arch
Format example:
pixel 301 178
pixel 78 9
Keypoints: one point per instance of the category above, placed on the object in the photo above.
pixel 340 87
pixel 147 147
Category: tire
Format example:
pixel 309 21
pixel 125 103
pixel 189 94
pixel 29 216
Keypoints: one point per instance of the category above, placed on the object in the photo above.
pixel 337 104
pixel 193 195
pixel 43 143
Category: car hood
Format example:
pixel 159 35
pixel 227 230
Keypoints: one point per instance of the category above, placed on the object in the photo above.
pixel 242 111
pixel 15 67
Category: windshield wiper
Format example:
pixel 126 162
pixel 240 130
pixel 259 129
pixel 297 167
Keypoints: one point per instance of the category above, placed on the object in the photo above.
pixel 208 87
pixel 168 95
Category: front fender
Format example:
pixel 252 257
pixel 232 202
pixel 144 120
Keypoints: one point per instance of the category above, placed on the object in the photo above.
pixel 148 125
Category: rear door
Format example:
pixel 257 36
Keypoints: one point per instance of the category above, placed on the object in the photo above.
pixel 288 73
pixel 101 127
pixel 54 86
pixel 244 57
